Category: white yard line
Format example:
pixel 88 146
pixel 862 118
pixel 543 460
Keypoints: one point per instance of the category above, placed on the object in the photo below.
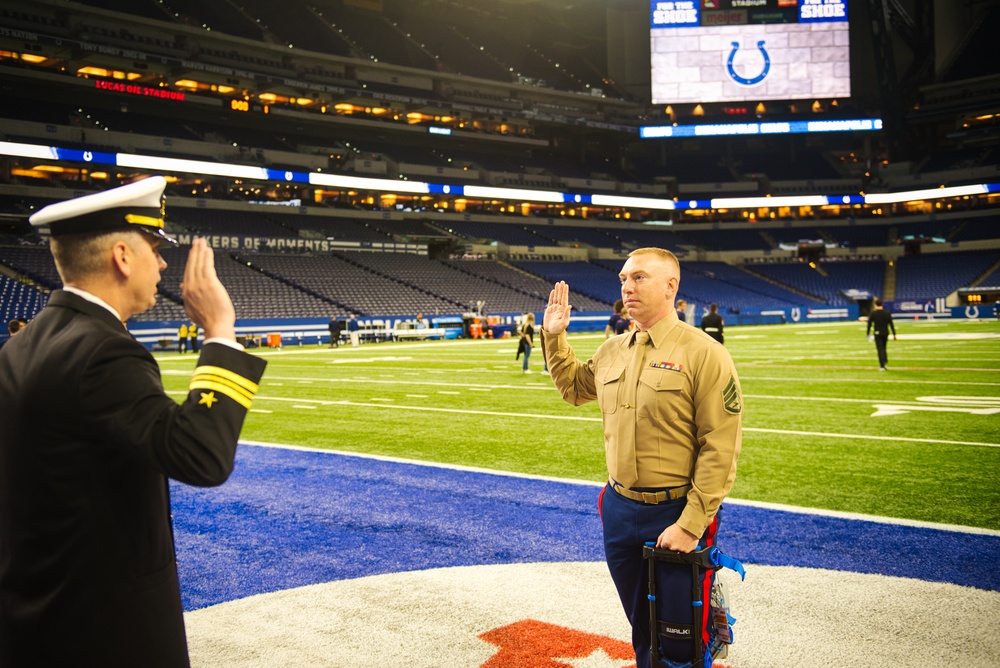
pixel 584 418
pixel 879 379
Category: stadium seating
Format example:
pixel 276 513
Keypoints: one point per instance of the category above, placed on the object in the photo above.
pixel 34 262
pixel 221 222
pixel 18 300
pixel 447 280
pixel 727 240
pixel 582 236
pixel 513 235
pixel 592 287
pixel 536 289
pixel 254 294
pixel 926 277
pixel 976 229
pixel 348 287
pixel 840 277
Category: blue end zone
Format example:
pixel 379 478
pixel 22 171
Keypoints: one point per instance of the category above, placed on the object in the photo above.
pixel 289 518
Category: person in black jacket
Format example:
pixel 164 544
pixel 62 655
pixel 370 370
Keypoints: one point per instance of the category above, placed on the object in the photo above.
pixel 712 324
pixel 334 327
pixel 89 437
pixel 881 321
pixel 13 327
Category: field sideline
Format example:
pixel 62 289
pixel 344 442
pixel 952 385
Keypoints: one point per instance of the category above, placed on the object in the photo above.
pixel 824 428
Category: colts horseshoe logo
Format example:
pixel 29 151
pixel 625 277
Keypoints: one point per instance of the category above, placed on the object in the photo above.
pixel 751 81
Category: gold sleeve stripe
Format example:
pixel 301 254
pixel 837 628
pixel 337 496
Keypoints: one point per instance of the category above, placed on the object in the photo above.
pixel 216 380
pixel 248 385
pixel 224 380
pixel 221 388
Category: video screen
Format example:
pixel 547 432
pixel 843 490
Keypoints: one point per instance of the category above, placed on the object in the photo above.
pixel 707 51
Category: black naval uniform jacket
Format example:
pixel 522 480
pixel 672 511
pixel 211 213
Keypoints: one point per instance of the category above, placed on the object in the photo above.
pixel 882 320
pixel 88 439
pixel 712 325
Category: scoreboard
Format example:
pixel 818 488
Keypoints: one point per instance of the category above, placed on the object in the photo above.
pixel 705 51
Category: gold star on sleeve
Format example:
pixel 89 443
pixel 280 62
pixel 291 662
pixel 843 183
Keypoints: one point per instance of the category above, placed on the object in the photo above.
pixel 207 399
pixel 225 382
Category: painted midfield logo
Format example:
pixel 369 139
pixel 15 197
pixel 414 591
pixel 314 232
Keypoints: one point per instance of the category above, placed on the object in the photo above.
pixel 970 405
pixel 533 644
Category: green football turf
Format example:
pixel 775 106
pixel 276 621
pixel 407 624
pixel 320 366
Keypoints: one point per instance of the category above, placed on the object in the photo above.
pixel 812 436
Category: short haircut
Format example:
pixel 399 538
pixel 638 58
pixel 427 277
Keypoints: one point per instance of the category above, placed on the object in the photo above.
pixel 79 256
pixel 660 252
pixel 14 326
pixel 878 301
pixel 713 307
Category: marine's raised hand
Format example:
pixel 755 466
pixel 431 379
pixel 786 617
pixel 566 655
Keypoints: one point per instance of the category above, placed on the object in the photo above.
pixel 557 312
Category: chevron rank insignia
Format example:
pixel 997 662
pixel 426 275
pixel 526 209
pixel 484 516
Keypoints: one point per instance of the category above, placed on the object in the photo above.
pixel 731 399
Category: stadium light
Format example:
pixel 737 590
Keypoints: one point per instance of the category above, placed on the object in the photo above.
pixel 341 181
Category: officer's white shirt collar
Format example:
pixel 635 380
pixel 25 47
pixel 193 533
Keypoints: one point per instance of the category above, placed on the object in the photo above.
pixel 93 299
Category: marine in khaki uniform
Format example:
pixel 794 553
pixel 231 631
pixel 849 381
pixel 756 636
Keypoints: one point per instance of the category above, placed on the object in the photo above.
pixel 672 411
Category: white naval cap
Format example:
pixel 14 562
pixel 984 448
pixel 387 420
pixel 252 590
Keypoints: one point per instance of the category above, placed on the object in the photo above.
pixel 138 206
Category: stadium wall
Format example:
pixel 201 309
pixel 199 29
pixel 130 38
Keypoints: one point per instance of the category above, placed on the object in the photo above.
pixel 162 335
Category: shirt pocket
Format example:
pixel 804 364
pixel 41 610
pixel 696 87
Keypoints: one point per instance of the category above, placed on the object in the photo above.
pixel 611 385
pixel 660 394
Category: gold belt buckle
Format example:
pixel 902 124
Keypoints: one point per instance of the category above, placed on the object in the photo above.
pixel 650 498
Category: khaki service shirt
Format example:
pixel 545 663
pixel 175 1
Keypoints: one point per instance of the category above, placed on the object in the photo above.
pixel 685 413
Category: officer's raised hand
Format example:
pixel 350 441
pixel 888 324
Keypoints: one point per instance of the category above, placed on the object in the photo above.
pixel 557 312
pixel 205 298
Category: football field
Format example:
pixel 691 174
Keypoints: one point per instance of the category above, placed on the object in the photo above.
pixel 427 503
pixel 823 427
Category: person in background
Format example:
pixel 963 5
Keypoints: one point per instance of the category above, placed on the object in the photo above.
pixel 681 308
pixel 713 324
pixel 353 330
pixel 13 327
pixel 545 361
pixel 193 336
pixel 334 327
pixel 528 336
pixel 182 338
pixel 672 411
pixel 881 321
pixel 624 324
pixel 89 439
pixel 610 330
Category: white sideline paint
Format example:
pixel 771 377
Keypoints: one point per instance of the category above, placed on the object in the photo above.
pixel 588 483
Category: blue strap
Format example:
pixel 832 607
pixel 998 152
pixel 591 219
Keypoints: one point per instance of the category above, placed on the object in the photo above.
pixel 725 561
